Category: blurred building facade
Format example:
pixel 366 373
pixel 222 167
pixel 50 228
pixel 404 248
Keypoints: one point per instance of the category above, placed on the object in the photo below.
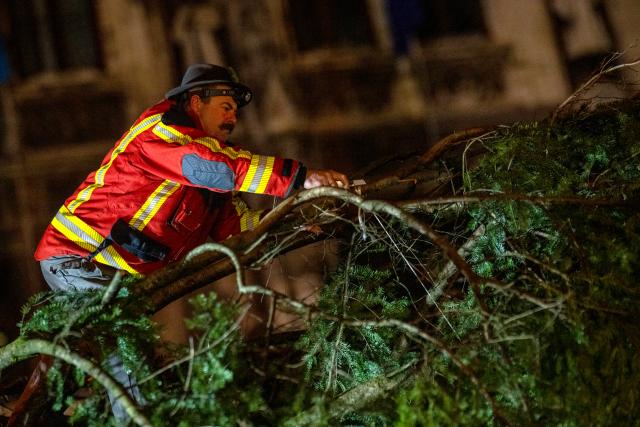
pixel 337 83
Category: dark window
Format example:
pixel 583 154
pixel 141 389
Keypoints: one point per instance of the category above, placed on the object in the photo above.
pixel 427 20
pixel 53 35
pixel 330 23
pixel 585 37
pixel 73 115
pixel 444 18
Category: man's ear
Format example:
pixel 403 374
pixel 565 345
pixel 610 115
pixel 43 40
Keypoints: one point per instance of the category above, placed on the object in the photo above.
pixel 194 102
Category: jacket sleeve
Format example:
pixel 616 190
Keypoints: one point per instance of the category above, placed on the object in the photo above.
pixel 234 217
pixel 205 162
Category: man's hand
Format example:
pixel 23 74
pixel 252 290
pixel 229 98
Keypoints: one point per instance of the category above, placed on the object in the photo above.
pixel 320 177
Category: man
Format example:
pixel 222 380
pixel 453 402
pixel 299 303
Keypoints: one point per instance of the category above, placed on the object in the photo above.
pixel 166 186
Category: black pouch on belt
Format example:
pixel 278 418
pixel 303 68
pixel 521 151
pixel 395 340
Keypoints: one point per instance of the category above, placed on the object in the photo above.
pixel 136 243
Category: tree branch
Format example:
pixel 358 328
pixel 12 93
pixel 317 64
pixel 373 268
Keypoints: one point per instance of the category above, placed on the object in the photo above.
pixel 429 156
pixel 352 400
pixel 21 349
pixel 543 200
pixel 588 85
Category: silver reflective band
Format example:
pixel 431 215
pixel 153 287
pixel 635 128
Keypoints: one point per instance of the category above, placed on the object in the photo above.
pixel 79 233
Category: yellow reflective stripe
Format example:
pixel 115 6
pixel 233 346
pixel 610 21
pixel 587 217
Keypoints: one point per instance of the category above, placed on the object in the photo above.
pixel 258 174
pixel 169 134
pixel 251 173
pixel 113 258
pixel 153 203
pixel 80 233
pixel 239 204
pixel 69 234
pixel 102 259
pixel 79 228
pixel 214 145
pixel 266 174
pixel 249 220
pixel 85 194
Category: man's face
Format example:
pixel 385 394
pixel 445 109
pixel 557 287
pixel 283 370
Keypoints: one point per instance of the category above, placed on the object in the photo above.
pixel 217 115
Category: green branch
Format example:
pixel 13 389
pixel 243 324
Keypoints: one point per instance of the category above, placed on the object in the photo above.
pixel 22 348
pixel 359 397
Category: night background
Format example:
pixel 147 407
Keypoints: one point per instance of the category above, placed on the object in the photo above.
pixel 337 84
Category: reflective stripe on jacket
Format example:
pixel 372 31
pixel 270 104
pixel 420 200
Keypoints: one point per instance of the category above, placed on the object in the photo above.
pixel 172 183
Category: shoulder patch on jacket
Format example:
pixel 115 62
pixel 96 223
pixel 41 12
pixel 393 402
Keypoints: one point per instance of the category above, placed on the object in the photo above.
pixel 207 173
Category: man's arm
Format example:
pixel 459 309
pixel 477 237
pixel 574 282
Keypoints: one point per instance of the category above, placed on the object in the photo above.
pixel 235 216
pixel 205 162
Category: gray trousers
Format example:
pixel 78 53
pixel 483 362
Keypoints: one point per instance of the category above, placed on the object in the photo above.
pixel 73 272
pixel 69 272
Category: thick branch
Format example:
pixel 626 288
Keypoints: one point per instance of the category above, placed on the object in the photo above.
pixel 164 290
pixel 543 200
pixel 429 156
pixel 197 271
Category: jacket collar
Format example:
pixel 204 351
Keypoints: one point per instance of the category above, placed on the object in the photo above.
pixel 175 116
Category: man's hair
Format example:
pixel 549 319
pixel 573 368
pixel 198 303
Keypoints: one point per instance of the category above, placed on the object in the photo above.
pixel 205 93
pixel 185 98
pixel 182 102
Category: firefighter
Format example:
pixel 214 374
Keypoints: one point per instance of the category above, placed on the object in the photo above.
pixel 167 185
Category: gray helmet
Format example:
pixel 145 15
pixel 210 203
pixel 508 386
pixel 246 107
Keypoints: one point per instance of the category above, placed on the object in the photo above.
pixel 206 74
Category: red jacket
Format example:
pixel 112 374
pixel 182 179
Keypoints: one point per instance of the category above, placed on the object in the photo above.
pixel 163 189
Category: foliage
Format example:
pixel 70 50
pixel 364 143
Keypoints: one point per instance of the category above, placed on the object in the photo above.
pixel 195 391
pixel 120 328
pixel 536 326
